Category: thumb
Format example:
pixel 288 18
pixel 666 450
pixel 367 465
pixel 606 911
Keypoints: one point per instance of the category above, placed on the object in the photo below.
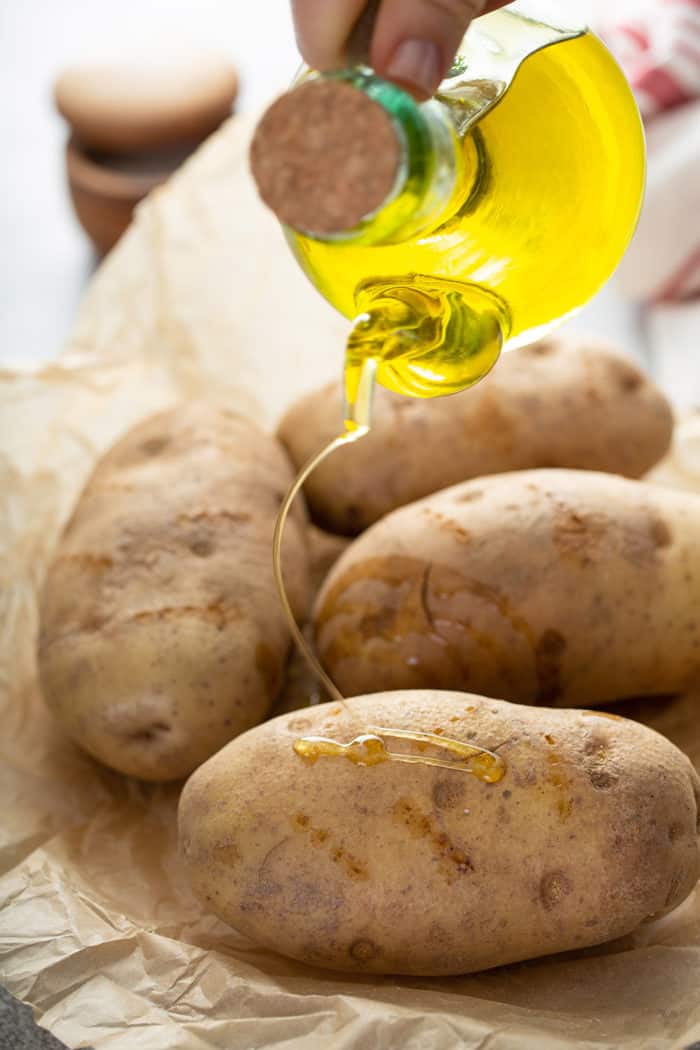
pixel 415 41
pixel 322 28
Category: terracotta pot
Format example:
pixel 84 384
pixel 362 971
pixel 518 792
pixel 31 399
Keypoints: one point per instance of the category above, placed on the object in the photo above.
pixel 104 197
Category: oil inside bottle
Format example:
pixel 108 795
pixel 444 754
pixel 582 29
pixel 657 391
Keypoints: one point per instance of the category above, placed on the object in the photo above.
pixel 427 336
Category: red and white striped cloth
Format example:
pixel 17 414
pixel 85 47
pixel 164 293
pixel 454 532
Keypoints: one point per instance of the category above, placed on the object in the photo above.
pixel 660 53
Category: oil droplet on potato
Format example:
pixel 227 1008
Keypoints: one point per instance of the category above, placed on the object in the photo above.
pixel 370 749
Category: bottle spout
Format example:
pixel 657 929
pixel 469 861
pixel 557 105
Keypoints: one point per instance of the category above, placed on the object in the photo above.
pixel 493 50
pixel 428 336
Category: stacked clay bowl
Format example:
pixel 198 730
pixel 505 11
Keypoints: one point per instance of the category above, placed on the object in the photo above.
pixel 132 126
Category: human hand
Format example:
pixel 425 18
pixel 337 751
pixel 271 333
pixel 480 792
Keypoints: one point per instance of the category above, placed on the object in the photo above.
pixel 413 42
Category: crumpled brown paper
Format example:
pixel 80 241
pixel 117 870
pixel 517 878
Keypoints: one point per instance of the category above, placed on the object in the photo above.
pixel 98 930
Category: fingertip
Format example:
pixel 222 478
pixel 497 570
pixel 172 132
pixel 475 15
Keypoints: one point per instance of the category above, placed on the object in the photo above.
pixel 322 28
pixel 415 41
pixel 417 66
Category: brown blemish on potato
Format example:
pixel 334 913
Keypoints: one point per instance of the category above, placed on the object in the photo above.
pixel 584 536
pixel 448 792
pixel 554 886
pixel 322 838
pixel 377 623
pixel 226 852
pixel 98 562
pixel 642 537
pixel 561 782
pixel 628 378
pixel 201 546
pixel 544 348
pixel 469 496
pixel 453 860
pixel 216 613
pixel 675 831
pixel 549 652
pixel 596 744
pixel 577 535
pixel 148 734
pixel 354 517
pixel 601 779
pixel 212 516
pixel 299 725
pixel 449 525
pixel 524 778
pixel 660 532
pixel 155 445
pixel 363 950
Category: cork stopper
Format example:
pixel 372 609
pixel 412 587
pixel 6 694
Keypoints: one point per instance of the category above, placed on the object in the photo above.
pixel 324 156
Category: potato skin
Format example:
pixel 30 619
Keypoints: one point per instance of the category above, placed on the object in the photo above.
pixel 675 717
pixel 302 685
pixel 414 869
pixel 161 633
pixel 553 586
pixel 562 402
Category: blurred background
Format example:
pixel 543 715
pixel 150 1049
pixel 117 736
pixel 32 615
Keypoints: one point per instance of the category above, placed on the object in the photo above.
pixel 45 258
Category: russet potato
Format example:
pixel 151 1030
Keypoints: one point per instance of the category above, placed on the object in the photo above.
pixel 161 635
pixel 557 587
pixel 413 868
pixel 562 402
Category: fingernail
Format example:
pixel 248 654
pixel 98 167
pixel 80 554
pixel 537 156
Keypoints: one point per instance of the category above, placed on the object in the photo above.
pixel 416 65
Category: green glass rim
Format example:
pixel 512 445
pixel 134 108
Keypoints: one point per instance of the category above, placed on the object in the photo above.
pixel 415 171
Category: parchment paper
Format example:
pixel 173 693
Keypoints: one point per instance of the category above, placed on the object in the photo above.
pixel 98 930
